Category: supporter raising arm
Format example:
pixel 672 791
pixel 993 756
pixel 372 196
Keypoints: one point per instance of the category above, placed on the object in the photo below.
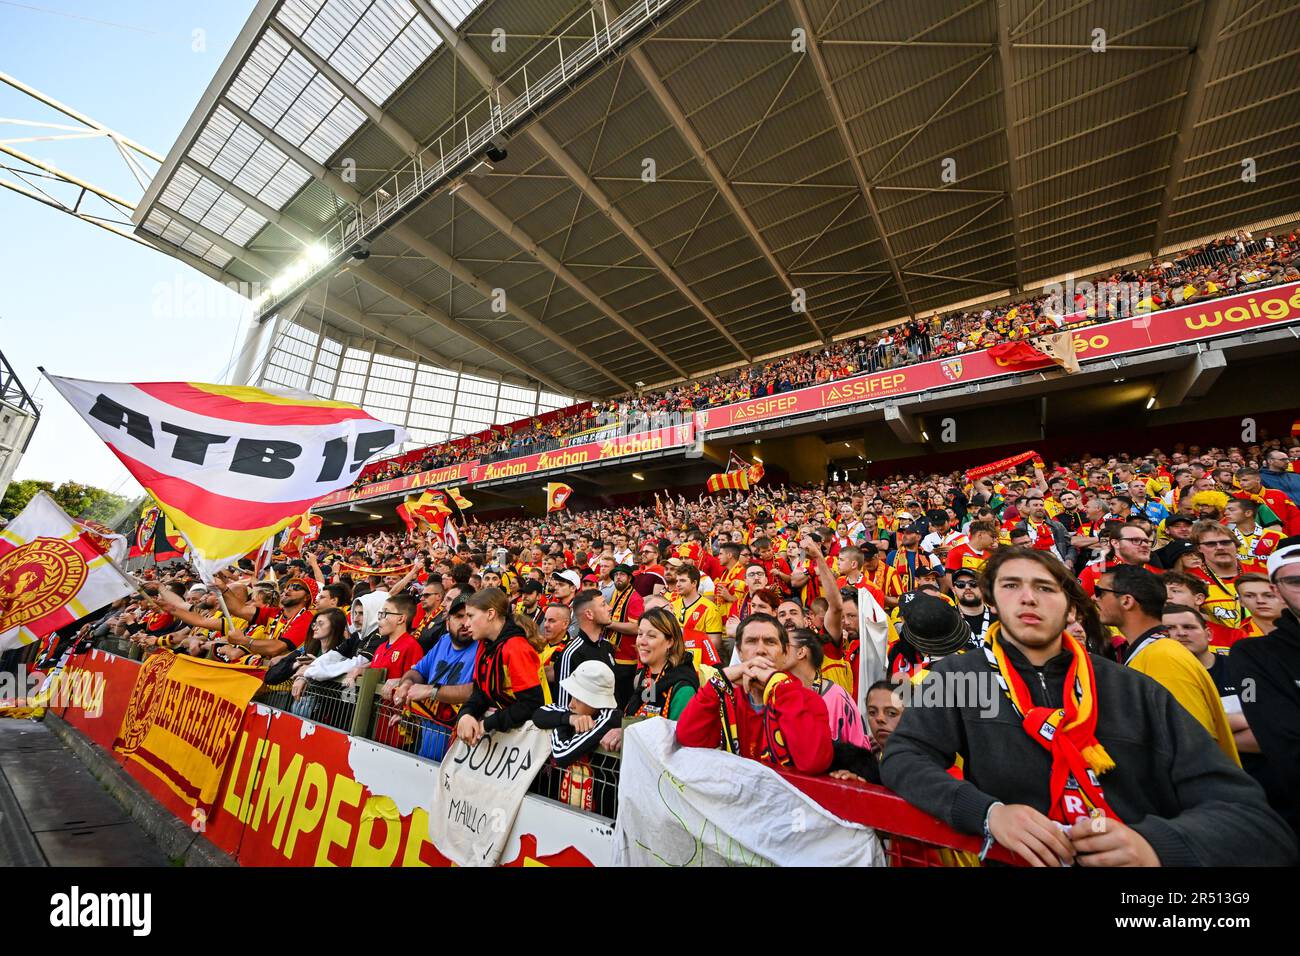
pixel 829 587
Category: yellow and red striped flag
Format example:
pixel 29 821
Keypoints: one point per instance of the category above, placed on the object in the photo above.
pixel 429 508
pixel 557 496
pixel 230 465
pixel 52 572
pixel 729 481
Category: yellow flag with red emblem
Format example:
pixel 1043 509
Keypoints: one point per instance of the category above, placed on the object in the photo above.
pixel 557 496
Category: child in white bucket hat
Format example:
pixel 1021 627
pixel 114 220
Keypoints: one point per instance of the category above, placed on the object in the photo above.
pixel 578 729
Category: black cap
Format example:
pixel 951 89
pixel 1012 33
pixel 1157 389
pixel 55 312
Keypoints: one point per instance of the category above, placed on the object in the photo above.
pixel 623 569
pixel 931 624
pixel 1179 518
pixel 458 604
pixel 964 573
pixel 531 587
pixel 1168 555
pixel 914 528
pixel 936 516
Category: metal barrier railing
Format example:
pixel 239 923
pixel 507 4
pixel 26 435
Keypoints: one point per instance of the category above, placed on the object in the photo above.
pixel 589 783
pixel 120 645
pixel 326 702
pixel 400 728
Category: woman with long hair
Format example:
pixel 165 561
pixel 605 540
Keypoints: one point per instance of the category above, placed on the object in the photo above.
pixel 329 632
pixel 507 673
pixel 665 679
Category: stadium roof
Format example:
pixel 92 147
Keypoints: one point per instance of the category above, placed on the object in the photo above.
pixel 776 169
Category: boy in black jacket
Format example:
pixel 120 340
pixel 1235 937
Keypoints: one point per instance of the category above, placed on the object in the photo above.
pixel 1071 758
pixel 592 712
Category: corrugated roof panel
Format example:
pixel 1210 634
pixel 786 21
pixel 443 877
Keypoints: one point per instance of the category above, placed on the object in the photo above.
pixel 163 226
pixel 456 11
pixel 375 44
pixel 238 153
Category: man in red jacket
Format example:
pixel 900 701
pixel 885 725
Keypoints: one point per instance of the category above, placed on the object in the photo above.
pixel 756 709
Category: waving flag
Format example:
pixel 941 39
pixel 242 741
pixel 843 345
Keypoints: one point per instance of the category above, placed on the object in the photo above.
pixel 557 496
pixel 729 481
pixel 105 539
pixel 156 535
pixel 230 465
pixel 429 509
pixel 52 572
pixel 302 531
pixel 404 512
pixel 1058 347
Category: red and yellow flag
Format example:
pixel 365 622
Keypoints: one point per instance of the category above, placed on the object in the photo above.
pixel 557 496
pixel 230 465
pixel 52 572
pixel 305 530
pixel 183 719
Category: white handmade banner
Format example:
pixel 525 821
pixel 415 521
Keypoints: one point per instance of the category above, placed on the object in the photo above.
pixel 684 806
pixel 479 792
pixel 873 633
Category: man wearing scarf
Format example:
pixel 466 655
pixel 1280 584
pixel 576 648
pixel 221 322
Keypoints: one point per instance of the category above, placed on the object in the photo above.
pixel 1070 758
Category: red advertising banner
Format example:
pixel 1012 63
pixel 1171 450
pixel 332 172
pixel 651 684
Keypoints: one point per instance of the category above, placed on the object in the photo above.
pixel 638 444
pixel 299 793
pixel 470 472
pixel 1190 323
pixel 451 475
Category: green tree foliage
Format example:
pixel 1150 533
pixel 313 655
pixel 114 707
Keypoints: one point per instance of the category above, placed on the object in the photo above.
pixel 78 500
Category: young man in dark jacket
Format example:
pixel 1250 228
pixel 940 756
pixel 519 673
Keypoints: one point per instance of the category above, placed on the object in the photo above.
pixel 1068 757
pixel 1267 672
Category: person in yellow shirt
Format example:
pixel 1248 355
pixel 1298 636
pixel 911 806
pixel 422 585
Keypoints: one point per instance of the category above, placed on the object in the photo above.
pixel 1188 627
pixel 1133 600
pixel 702 628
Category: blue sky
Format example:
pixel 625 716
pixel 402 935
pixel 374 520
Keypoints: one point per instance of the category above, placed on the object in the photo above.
pixel 73 298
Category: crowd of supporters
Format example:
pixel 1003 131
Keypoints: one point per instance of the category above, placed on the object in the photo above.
pixel 1227 266
pixel 1134 616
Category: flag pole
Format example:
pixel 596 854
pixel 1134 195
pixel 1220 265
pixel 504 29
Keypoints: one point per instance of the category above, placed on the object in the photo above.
pixel 194 562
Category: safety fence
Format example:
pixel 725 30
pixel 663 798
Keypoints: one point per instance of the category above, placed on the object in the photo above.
pixel 590 784
pixel 910 837
pixel 277 780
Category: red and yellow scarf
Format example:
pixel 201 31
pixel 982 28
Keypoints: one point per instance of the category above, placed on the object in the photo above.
pixel 1068 733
